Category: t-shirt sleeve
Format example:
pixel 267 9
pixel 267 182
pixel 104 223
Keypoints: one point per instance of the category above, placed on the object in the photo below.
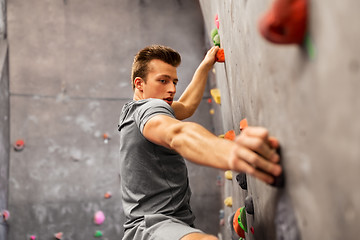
pixel 150 109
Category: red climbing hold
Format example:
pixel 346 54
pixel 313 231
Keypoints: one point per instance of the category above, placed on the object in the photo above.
pixel 220 55
pixel 19 145
pixel 107 195
pixel 6 215
pixel 285 22
pixel 252 230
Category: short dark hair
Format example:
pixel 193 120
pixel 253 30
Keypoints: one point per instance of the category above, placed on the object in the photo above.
pixel 144 56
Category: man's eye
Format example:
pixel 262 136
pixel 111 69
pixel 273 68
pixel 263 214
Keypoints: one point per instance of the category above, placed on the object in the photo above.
pixel 162 81
pixel 175 83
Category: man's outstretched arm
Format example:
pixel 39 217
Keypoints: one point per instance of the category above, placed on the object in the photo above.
pixel 252 152
pixel 191 98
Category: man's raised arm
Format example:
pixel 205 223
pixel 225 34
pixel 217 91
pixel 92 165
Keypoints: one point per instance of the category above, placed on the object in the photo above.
pixel 191 98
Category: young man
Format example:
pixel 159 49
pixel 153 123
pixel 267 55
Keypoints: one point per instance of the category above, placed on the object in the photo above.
pixel 154 143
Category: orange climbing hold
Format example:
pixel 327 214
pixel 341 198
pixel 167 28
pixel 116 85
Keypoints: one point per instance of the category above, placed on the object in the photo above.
pixel 243 124
pixel 230 135
pixel 220 55
pixel 285 22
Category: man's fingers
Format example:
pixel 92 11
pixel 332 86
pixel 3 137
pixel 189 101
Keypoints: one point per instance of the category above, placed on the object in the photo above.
pixel 274 143
pixel 259 132
pixel 260 146
pixel 247 168
pixel 243 154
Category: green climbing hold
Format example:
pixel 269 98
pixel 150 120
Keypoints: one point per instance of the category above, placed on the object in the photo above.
pixel 216 40
pixel 214 32
pixel 98 233
pixel 242 219
pixel 309 46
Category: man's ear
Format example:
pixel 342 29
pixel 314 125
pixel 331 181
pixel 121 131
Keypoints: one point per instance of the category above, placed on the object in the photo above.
pixel 138 82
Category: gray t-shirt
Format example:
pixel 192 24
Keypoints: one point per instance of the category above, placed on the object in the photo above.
pixel 154 179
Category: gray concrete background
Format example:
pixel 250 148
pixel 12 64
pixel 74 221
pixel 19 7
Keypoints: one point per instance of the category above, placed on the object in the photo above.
pixel 310 104
pixel 70 66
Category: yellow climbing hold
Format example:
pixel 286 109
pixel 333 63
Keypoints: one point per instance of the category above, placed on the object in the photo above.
pixel 215 93
pixel 228 201
pixel 212 111
pixel 221 136
pixel 228 175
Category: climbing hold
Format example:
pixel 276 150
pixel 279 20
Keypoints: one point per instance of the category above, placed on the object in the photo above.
pixel 220 55
pixel 212 111
pixel 32 237
pixel 285 22
pixel 228 175
pixel 235 224
pixel 221 136
pixel 99 217
pixel 213 33
pixel 230 135
pixel 106 138
pixel 209 100
pixel 98 233
pixel 221 214
pixel 228 201
pixel 222 222
pixel 249 205
pixel 309 47
pixel 243 124
pixel 215 93
pixel 252 230
pixel 216 40
pixel 279 181
pixel 19 145
pixel 242 219
pixel 107 195
pixel 219 181
pixel 6 215
pixel 58 235
pixel 217 21
pixel 241 179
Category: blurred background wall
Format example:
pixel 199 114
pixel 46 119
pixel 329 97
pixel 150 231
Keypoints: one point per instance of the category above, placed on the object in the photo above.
pixel 70 63
pixel 4 120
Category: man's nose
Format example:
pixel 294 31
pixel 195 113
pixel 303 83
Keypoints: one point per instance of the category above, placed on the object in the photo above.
pixel 172 88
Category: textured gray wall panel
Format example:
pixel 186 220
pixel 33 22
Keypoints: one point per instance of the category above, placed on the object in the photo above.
pixel 311 105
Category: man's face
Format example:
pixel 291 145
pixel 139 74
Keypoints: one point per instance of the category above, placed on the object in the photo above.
pixel 161 81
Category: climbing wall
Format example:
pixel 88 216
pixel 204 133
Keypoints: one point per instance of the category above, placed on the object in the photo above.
pixel 70 67
pixel 307 95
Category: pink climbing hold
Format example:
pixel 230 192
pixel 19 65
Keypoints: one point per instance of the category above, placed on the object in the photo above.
pixel 32 237
pixel 217 21
pixel 99 218
pixel 58 235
